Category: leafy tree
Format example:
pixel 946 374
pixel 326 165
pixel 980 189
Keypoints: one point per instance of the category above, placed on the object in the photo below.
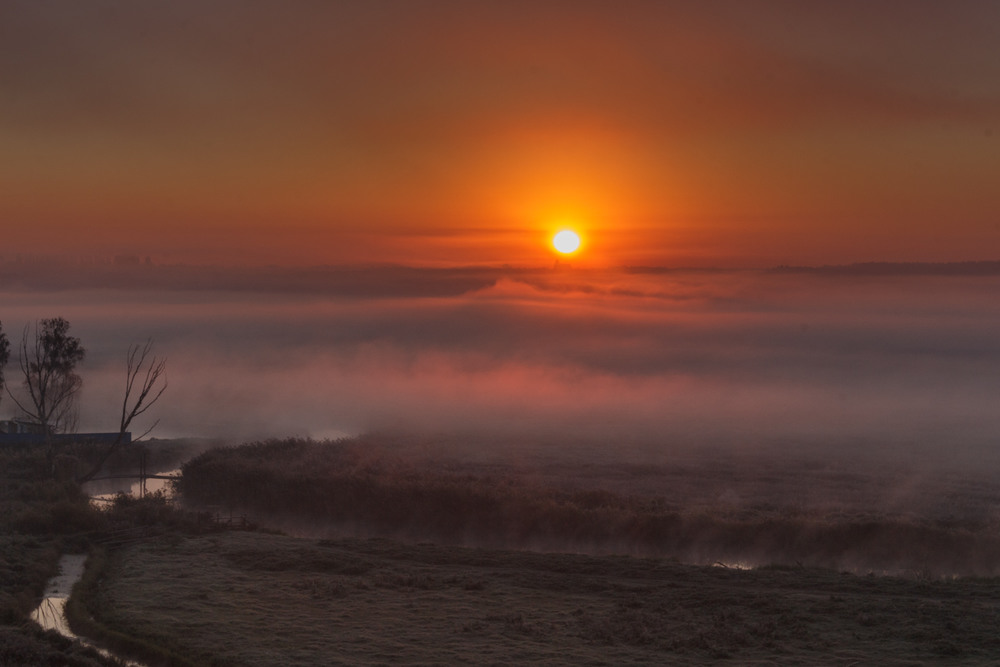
pixel 4 355
pixel 48 362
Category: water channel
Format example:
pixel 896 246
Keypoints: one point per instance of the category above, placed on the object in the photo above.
pixel 107 489
pixel 51 613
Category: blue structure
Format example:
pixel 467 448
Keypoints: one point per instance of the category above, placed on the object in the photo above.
pixel 18 432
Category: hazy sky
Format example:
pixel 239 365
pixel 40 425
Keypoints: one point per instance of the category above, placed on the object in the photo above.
pixel 433 132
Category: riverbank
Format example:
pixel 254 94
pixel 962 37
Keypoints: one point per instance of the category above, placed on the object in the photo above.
pixel 53 613
pixel 41 517
pixel 44 514
pixel 270 600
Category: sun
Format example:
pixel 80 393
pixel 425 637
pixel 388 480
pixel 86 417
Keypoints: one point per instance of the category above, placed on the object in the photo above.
pixel 566 241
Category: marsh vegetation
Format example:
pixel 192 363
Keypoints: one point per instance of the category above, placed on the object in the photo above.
pixel 697 507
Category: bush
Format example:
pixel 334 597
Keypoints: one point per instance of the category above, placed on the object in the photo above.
pixel 61 518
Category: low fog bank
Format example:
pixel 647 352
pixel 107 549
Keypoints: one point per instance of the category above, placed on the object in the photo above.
pixel 840 419
pixel 624 365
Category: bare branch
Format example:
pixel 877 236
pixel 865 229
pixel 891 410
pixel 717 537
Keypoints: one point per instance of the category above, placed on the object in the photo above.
pixel 136 360
pixel 145 382
pixel 148 430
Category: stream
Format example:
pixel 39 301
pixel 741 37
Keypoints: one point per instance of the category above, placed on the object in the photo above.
pixel 51 612
pixel 107 489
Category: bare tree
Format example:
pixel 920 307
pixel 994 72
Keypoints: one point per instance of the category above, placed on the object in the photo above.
pixel 141 362
pixel 48 362
pixel 145 382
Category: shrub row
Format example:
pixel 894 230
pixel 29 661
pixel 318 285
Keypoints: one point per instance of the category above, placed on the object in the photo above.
pixel 344 483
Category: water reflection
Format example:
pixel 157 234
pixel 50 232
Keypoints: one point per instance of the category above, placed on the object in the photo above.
pixel 50 614
pixel 107 489
pixel 734 565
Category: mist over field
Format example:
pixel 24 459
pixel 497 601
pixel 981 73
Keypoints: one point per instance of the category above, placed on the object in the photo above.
pixel 842 417
pixel 632 362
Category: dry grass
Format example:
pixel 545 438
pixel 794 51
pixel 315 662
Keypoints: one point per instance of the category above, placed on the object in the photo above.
pixel 247 598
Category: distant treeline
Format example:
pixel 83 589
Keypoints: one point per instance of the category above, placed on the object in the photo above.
pixel 348 282
pixel 991 268
pixel 380 281
pixel 344 486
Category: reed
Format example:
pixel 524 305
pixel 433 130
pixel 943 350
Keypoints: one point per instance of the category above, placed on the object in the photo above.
pixel 358 489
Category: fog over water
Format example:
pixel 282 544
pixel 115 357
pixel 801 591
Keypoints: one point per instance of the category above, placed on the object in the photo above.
pixel 637 360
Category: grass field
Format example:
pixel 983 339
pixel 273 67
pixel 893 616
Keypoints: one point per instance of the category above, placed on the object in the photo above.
pixel 497 587
pixel 262 599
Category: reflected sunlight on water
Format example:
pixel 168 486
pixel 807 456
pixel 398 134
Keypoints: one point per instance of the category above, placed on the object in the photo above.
pixel 734 565
pixel 104 490
pixel 51 613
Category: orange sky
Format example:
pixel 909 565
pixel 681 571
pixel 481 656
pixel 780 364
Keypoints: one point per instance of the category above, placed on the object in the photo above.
pixel 718 133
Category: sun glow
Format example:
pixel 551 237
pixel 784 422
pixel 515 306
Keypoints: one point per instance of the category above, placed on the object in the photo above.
pixel 566 241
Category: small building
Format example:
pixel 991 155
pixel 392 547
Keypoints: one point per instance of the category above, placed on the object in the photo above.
pixel 18 426
pixel 21 432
